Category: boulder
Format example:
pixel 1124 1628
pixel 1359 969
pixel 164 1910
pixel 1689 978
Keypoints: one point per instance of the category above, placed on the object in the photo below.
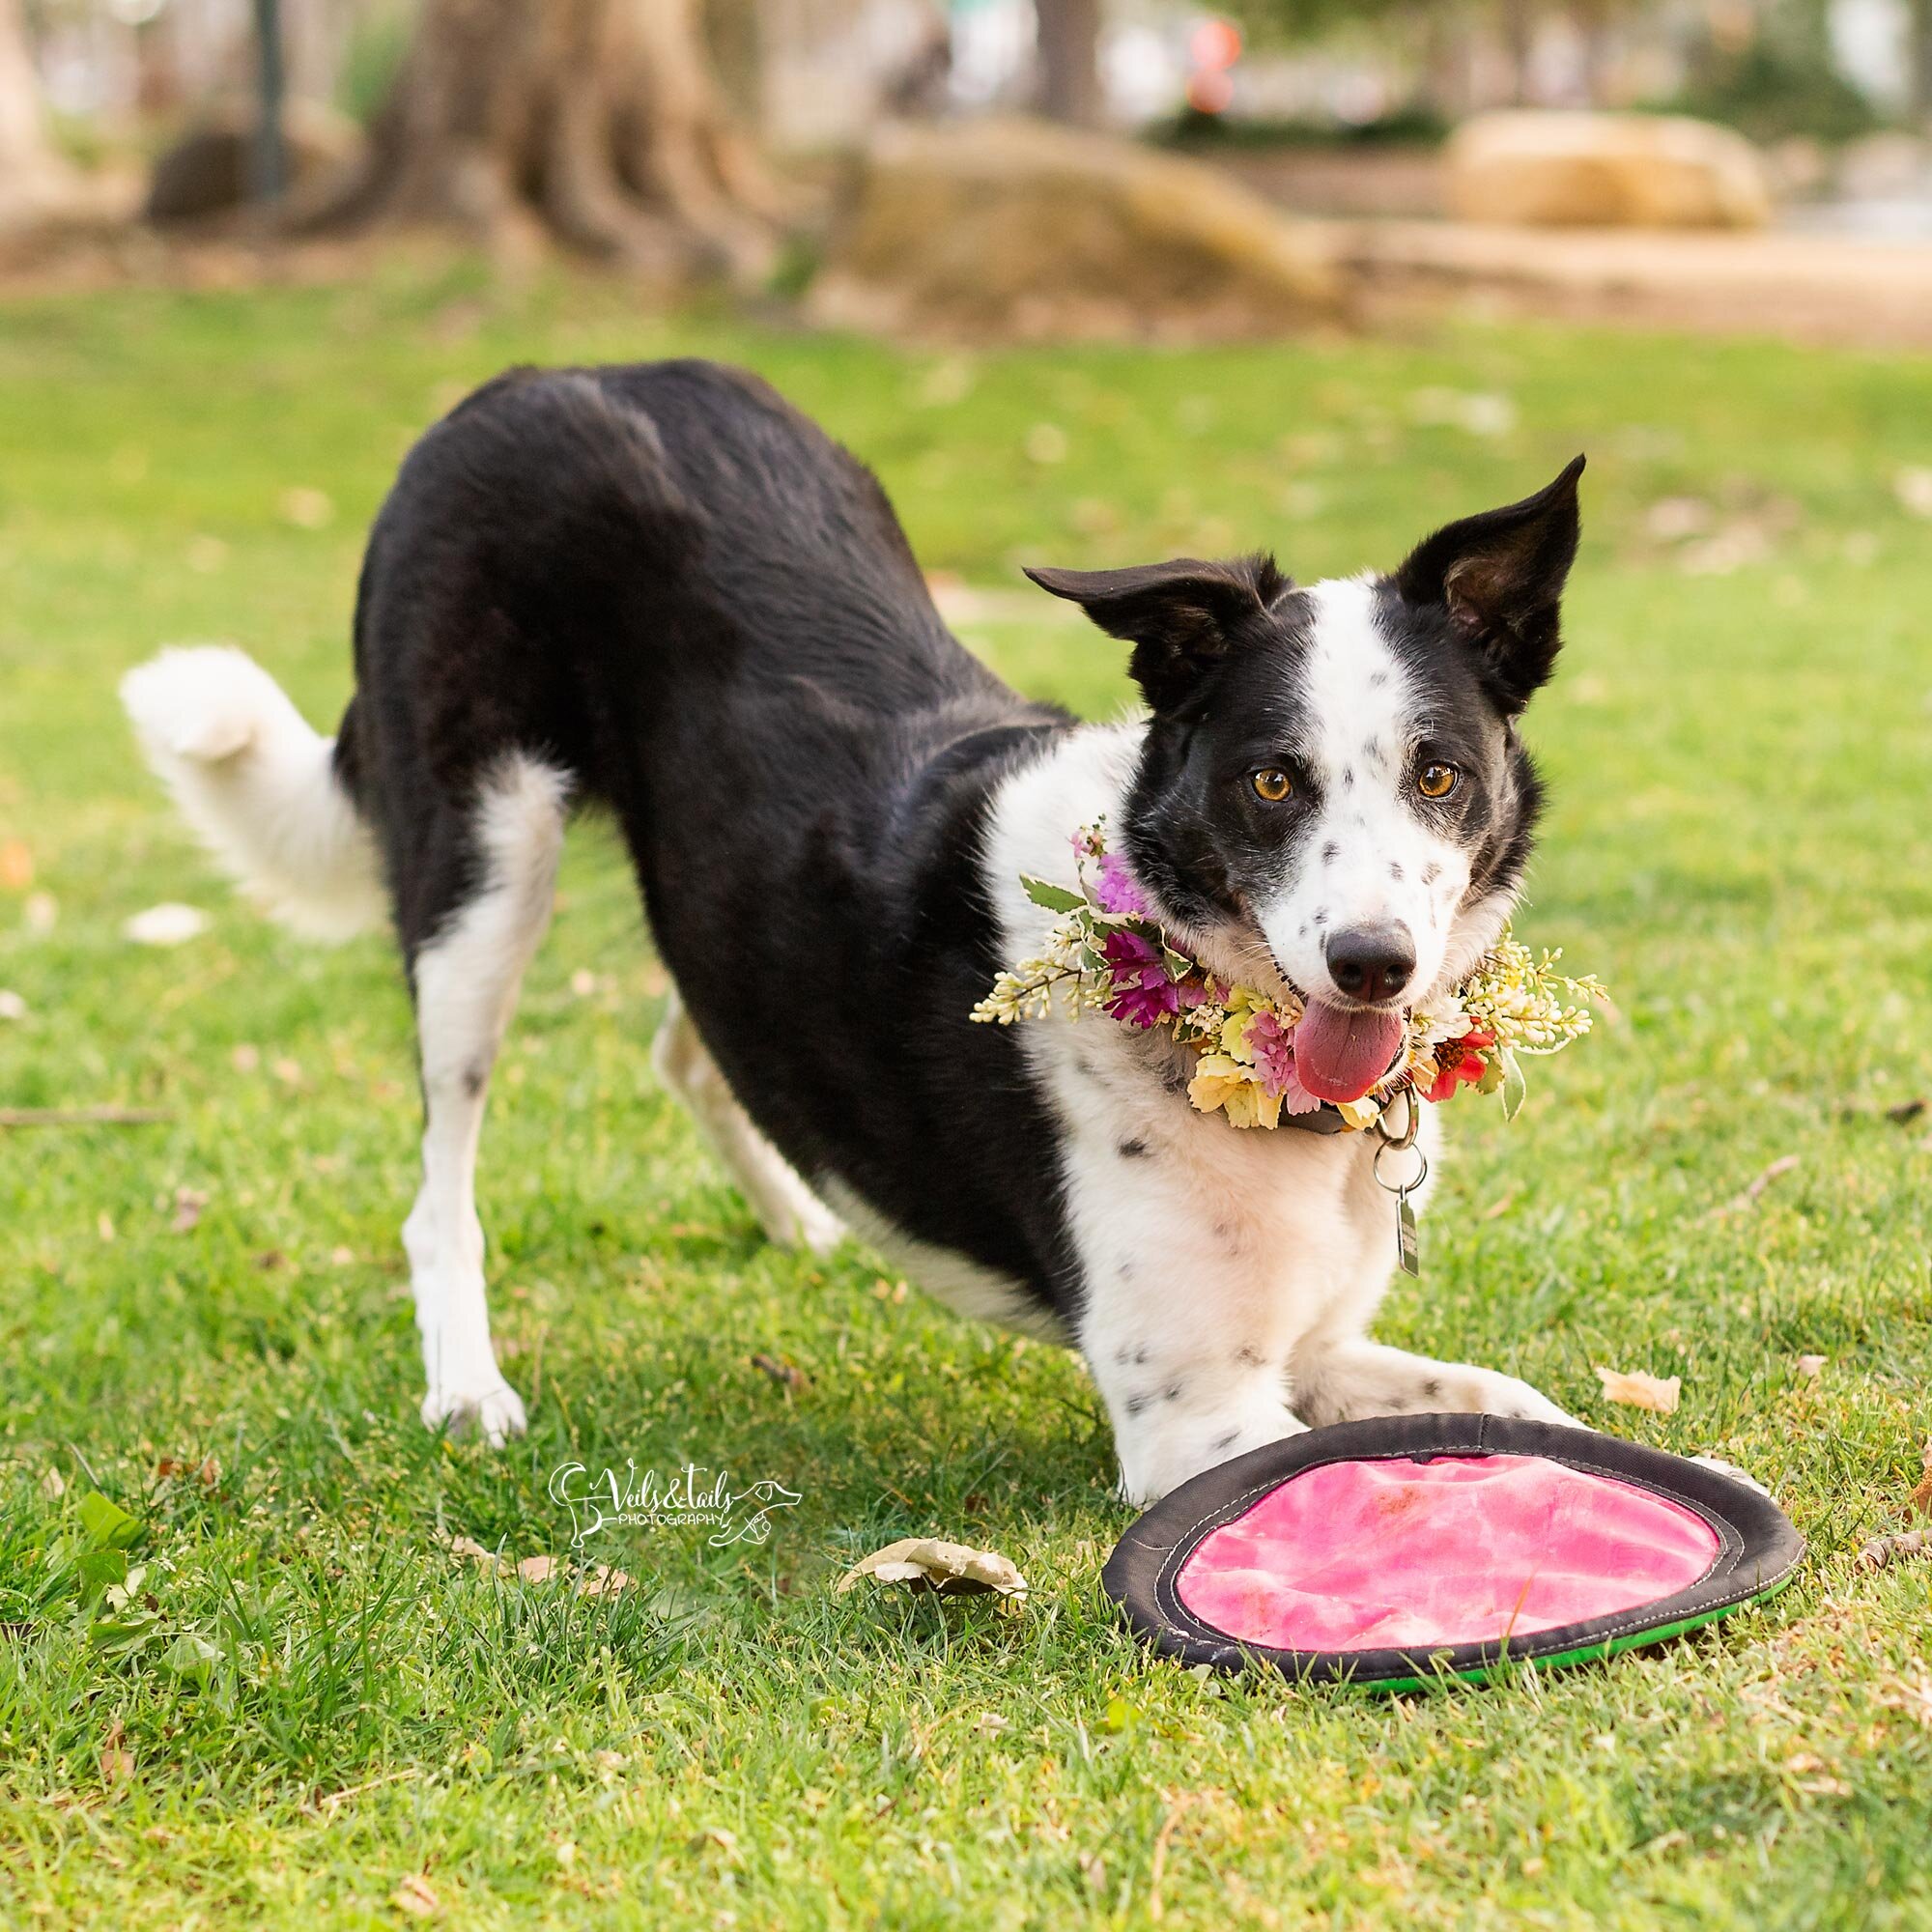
pixel 1564 170
pixel 209 171
pixel 1010 228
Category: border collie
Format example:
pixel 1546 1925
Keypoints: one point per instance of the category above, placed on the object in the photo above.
pixel 662 592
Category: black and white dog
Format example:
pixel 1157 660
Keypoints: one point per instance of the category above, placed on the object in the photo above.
pixel 660 591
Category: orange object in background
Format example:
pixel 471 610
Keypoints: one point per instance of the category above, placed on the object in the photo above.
pixel 1213 46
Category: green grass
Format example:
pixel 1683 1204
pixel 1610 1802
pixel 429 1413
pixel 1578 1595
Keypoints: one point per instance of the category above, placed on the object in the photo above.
pixel 1740 843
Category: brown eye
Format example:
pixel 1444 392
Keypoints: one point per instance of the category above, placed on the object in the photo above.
pixel 1272 784
pixel 1437 780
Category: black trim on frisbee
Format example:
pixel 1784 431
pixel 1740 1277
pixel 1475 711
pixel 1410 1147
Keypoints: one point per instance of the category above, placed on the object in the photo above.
pixel 1759 1548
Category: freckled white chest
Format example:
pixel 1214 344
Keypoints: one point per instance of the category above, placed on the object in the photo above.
pixel 1174 1214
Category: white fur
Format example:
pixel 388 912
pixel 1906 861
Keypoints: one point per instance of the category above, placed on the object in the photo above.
pixel 466 982
pixel 1389 865
pixel 979 1293
pixel 791 1215
pixel 258 786
pixel 1229 1272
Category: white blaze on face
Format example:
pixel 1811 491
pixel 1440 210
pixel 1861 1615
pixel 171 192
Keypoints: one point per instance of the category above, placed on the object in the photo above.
pixel 1370 857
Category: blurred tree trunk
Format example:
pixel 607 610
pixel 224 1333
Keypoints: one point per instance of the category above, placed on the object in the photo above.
pixel 1518 33
pixel 1070 60
pixel 596 121
pixel 1919 58
pixel 34 179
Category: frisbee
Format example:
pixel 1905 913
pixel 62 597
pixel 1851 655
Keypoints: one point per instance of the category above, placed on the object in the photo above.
pixel 1392 1552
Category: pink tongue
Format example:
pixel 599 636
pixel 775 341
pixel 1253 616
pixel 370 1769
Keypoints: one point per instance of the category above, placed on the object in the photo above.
pixel 1340 1055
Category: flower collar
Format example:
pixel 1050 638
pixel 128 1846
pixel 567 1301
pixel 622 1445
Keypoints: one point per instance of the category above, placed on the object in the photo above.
pixel 1107 951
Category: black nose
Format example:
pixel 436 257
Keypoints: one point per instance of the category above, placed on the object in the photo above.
pixel 1372 962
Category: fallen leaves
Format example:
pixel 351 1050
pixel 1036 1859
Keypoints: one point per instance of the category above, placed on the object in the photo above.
pixel 189 1203
pixel 1741 1202
pixel 1632 1388
pixel 1811 1367
pixel 1913 487
pixel 599 1580
pixel 207 1472
pixel 786 1374
pixel 117 1765
pixel 946 1569
pixel 416 1896
pixel 1921 1498
pixel 1883 1551
pixel 169 924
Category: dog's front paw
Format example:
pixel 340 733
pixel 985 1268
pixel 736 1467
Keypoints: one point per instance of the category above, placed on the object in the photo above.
pixel 493 1411
pixel 1157 1460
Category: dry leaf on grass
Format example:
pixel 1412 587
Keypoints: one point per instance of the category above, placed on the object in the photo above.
pixel 189 1203
pixel 415 1896
pixel 1882 1550
pixel 207 1472
pixel 599 1581
pixel 787 1374
pixel 1739 1202
pixel 168 925
pixel 1921 1498
pixel 1634 1389
pixel 947 1568
pixel 117 1766
pixel 1811 1367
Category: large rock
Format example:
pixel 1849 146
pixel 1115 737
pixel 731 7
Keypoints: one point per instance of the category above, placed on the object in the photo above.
pixel 209 171
pixel 1605 171
pixel 1013 229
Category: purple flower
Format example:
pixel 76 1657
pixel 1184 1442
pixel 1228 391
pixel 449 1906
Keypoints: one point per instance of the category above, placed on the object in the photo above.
pixel 1118 892
pixel 1143 993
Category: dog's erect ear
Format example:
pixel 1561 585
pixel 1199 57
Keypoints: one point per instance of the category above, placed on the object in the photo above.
pixel 1181 617
pixel 1500 575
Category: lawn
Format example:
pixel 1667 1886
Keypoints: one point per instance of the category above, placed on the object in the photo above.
pixel 312 1708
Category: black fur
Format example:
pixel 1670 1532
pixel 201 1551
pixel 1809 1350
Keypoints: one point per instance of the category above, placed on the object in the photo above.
pixel 667 581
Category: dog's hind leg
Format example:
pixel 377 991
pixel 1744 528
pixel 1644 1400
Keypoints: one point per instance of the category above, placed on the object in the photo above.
pixel 465 975
pixel 791 1214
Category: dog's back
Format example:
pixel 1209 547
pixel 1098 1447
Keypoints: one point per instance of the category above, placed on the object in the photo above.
pixel 662 590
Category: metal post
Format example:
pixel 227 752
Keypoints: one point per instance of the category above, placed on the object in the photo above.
pixel 270 172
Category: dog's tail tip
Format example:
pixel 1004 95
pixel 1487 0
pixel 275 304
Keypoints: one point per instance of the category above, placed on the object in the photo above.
pixel 260 788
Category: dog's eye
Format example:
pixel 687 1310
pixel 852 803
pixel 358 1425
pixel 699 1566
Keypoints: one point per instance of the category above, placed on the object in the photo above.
pixel 1437 780
pixel 1272 784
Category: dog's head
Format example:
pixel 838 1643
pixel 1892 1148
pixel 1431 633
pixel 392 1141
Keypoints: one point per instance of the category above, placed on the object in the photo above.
pixel 1333 791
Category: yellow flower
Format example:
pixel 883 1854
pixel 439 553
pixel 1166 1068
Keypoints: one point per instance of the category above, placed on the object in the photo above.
pixel 1221 1084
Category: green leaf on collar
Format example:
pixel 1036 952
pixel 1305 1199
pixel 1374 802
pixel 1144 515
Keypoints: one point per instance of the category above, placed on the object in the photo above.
pixel 1054 899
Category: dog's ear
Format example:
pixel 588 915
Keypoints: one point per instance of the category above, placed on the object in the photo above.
pixel 1501 575
pixel 1181 617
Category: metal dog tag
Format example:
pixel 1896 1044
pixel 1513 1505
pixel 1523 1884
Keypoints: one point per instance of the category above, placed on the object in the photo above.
pixel 1408 1236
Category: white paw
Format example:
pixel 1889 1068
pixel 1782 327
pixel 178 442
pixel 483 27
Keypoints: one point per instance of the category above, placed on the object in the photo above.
pixel 1154 1460
pixel 819 1229
pixel 1493 1393
pixel 1736 1474
pixel 494 1411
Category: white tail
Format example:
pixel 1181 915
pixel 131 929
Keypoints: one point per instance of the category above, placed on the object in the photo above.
pixel 258 786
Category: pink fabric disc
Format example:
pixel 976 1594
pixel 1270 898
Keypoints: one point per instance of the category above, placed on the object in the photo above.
pixel 1400 1554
